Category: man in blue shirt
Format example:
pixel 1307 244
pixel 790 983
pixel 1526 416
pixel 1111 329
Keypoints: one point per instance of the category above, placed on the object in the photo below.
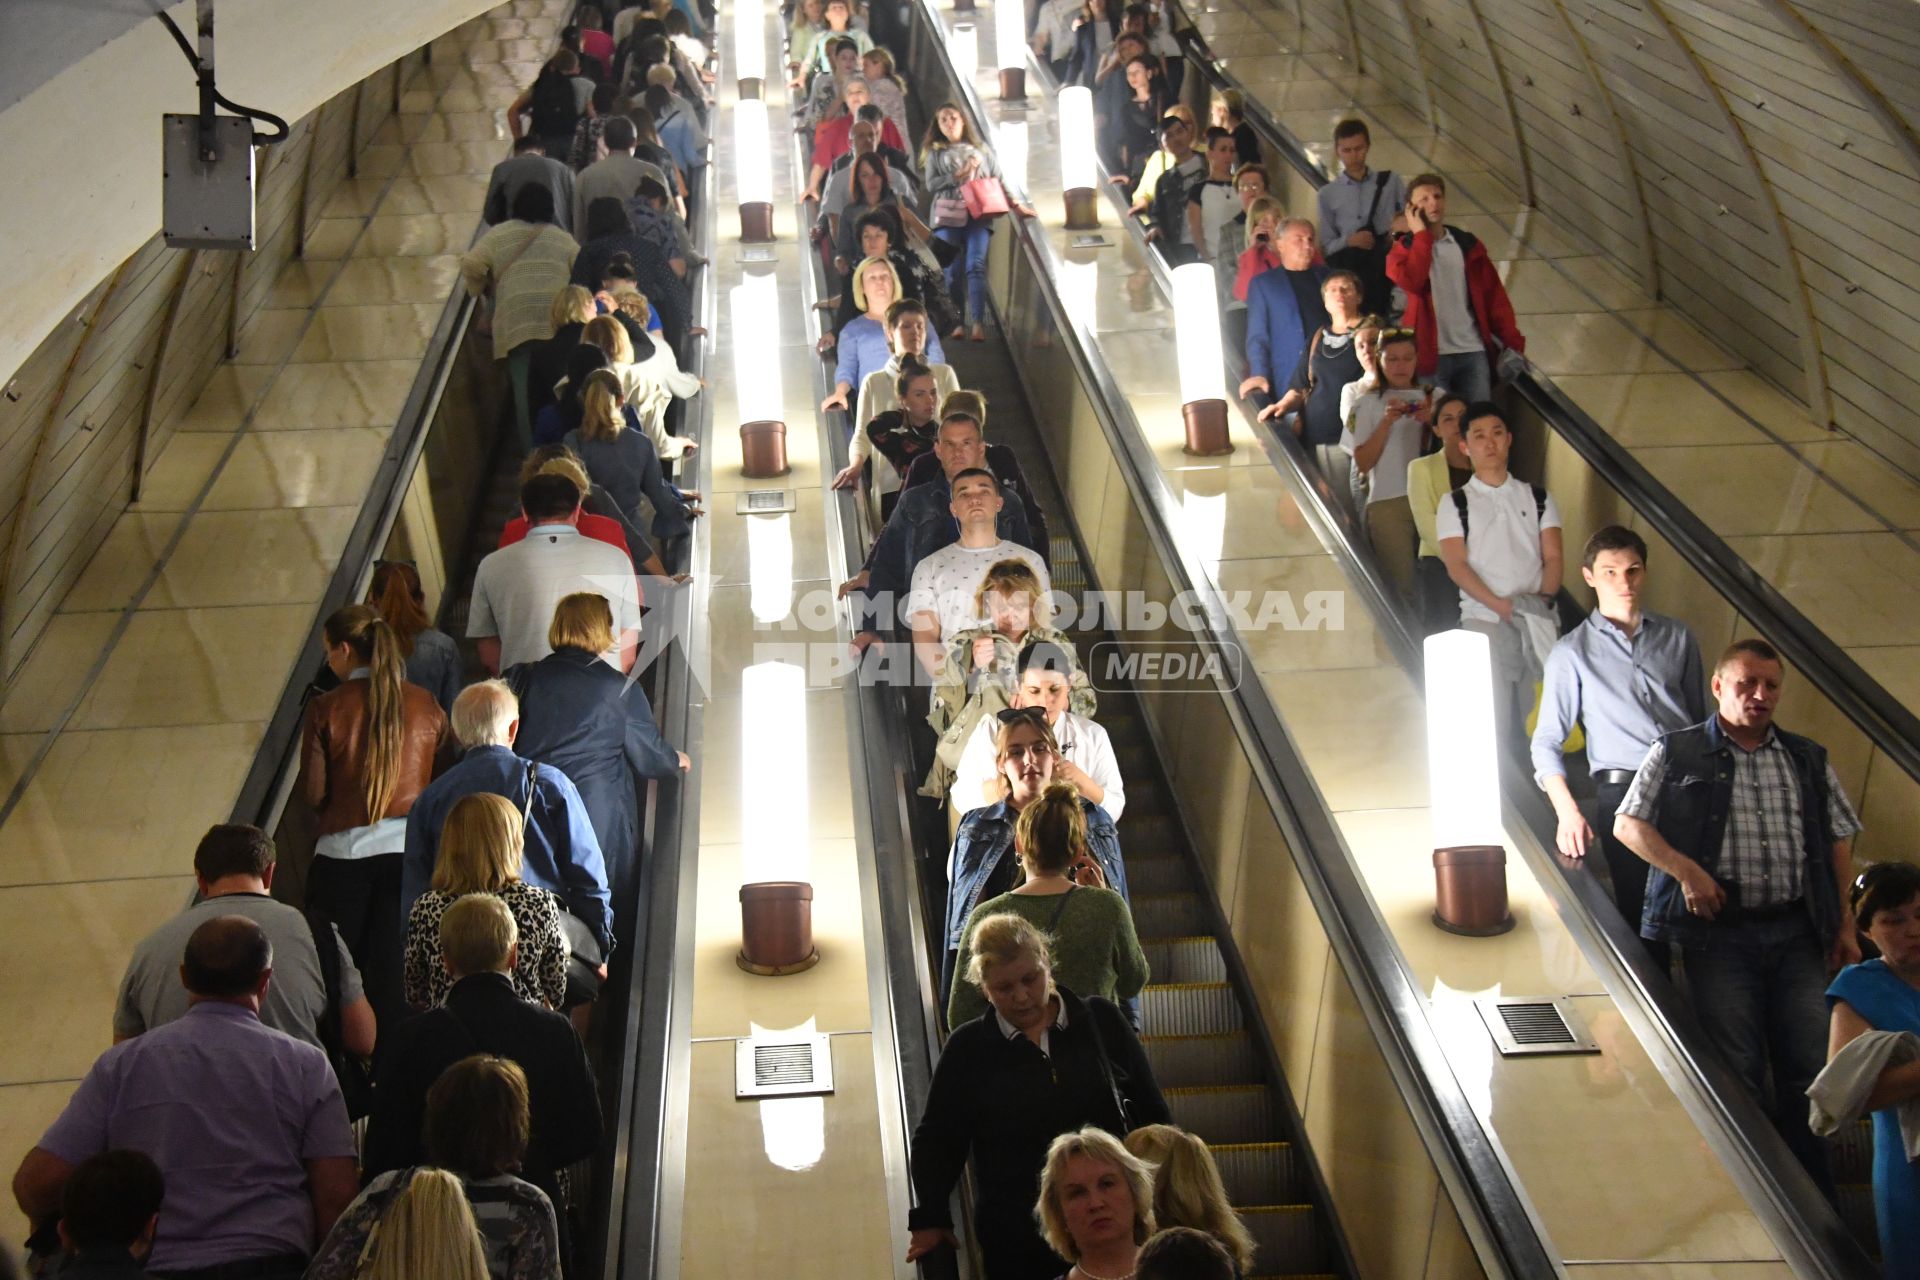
pixel 1627 677
pixel 1357 212
pixel 562 854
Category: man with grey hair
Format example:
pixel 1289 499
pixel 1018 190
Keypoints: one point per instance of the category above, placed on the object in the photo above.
pixel 562 855
pixel 1284 310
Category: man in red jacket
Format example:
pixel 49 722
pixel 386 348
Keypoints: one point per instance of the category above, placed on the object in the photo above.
pixel 1456 305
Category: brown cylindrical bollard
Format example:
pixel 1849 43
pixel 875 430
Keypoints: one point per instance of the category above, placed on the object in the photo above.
pixel 763 450
pixel 1206 428
pixel 776 928
pixel 1470 890
pixel 1083 212
pixel 756 222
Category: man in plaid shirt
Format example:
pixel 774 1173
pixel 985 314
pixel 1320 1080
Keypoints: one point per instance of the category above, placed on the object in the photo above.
pixel 1750 838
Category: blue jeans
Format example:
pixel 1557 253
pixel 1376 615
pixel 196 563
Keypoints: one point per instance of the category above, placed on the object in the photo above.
pixel 971 264
pixel 1466 374
pixel 1759 990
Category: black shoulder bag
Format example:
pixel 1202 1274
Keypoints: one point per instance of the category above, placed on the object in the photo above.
pixel 356 1081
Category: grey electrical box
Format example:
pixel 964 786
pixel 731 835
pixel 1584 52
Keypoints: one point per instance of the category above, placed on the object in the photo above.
pixel 207 204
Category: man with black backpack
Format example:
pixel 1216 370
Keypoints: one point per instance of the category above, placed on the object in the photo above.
pixel 1500 541
pixel 1357 210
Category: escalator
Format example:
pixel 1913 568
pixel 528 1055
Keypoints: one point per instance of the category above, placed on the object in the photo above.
pixel 1501 1203
pixel 446 486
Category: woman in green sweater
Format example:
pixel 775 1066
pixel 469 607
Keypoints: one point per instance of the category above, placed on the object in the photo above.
pixel 1095 949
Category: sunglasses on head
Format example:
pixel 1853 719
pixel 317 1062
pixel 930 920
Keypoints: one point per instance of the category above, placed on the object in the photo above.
pixel 1866 880
pixel 1014 715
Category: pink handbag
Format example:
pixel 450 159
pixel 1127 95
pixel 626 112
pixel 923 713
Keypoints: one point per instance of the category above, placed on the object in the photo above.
pixel 985 197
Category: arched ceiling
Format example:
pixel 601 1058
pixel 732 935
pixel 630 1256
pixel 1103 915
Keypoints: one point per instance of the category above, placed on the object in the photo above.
pixel 84 85
pixel 1753 162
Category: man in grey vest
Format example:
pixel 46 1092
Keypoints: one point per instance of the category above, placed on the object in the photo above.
pixel 1751 842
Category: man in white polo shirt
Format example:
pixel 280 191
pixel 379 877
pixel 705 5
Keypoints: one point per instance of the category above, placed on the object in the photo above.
pixel 1500 541
pixel 517 587
pixel 944 598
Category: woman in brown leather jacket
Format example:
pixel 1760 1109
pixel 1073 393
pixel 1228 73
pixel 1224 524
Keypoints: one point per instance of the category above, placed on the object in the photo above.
pixel 369 747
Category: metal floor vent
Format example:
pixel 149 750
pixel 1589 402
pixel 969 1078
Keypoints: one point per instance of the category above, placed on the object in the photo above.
pixel 1523 1025
pixel 782 1066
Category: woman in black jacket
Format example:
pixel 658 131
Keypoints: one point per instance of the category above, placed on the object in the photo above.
pixel 583 717
pixel 1041 1062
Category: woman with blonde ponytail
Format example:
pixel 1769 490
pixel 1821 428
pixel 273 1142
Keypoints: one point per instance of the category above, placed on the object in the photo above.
pixel 1188 1191
pixel 368 748
pixel 428 1234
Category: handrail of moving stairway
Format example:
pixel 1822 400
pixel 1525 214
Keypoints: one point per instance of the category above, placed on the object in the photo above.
pixel 1887 721
pixel 883 788
pixel 1821 1244
pixel 1494 1214
pixel 641 1217
pixel 669 817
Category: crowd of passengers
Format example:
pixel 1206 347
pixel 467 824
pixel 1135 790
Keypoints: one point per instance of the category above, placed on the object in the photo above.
pixel 391 1081
pixel 473 840
pixel 1727 840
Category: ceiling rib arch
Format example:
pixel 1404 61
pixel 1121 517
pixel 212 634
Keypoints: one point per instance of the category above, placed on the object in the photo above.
pixel 1813 369
pixel 1648 251
pixel 1520 148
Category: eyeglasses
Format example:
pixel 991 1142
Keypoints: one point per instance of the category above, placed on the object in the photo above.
pixel 1395 335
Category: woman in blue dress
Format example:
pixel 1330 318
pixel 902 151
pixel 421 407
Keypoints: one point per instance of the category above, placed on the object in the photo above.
pixel 1884 995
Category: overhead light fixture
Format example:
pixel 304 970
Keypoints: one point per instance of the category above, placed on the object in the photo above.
pixel 1079 174
pixel 1203 382
pixel 750 47
pixel 1463 787
pixel 753 170
pixel 1010 48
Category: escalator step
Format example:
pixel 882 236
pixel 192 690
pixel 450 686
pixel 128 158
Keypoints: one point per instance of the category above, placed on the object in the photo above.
pixel 1146 833
pixel 1190 1009
pixel 1160 873
pixel 1225 1113
pixel 1185 960
pixel 1286 1236
pixel 1168 915
pixel 1196 1060
pixel 1256 1172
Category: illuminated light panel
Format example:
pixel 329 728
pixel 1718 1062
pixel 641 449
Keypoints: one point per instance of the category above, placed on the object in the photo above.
pixel 1076 139
pixel 770 566
pixel 773 773
pixel 1462 743
pixel 1196 330
pixel 752 152
pixel 754 307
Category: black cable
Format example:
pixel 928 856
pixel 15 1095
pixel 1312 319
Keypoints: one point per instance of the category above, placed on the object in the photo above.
pixel 205 80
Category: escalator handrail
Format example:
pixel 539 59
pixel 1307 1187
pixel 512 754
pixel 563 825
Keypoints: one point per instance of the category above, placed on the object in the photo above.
pixel 1800 1217
pixel 909 987
pixel 654 1086
pixel 1501 1226
pixel 1888 723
